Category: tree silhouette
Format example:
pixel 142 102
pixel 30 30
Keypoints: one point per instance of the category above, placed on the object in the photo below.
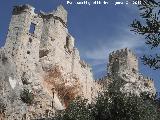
pixel 149 27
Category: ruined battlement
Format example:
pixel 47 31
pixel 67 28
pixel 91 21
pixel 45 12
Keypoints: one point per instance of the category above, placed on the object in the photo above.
pixel 59 14
pixel 84 64
pixel 145 78
pixel 122 52
pixel 22 8
pixel 124 64
pixel 123 59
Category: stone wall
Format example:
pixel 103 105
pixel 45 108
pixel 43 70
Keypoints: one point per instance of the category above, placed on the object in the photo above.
pixel 122 59
pixel 35 44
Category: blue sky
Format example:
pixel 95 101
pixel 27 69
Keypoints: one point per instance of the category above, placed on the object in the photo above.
pixel 98 30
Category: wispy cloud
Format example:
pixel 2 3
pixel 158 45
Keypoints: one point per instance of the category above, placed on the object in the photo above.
pixel 102 49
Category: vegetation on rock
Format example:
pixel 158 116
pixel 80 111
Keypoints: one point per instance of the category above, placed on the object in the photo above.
pixel 27 96
pixel 2 107
pixel 112 105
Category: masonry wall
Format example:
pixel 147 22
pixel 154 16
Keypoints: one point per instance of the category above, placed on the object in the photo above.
pixel 61 51
pixel 123 64
pixel 35 44
pixel 121 60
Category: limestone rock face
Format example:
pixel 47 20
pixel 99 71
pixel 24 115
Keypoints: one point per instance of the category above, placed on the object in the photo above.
pixel 41 70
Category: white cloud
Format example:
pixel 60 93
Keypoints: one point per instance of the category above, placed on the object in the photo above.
pixel 102 49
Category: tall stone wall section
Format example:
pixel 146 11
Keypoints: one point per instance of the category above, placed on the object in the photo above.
pixel 31 53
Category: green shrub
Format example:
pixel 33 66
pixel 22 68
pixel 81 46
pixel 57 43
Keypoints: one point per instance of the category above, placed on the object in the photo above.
pixel 2 107
pixel 27 96
pixel 118 107
pixel 112 105
pixel 77 110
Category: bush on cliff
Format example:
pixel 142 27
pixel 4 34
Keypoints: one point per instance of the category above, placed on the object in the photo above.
pixel 112 105
pixel 27 96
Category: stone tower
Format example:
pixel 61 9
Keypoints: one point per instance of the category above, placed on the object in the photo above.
pixel 123 65
pixel 23 39
pixel 121 60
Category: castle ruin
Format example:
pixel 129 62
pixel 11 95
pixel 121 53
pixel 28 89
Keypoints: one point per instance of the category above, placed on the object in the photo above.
pixel 39 56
